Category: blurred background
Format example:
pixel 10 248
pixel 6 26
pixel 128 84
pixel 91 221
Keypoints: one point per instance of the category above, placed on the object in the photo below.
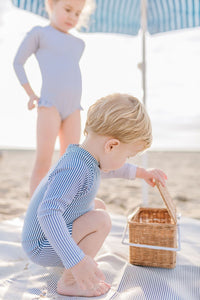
pixel 110 64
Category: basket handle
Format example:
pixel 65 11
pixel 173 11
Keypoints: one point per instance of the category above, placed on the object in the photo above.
pixel 153 247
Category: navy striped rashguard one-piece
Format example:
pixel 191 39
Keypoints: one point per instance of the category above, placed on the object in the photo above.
pixel 66 193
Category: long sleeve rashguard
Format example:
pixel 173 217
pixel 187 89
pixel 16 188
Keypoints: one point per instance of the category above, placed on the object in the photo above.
pixel 64 195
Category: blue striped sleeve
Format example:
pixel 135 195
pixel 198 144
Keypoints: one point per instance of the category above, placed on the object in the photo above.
pixel 28 46
pixel 64 185
pixel 127 171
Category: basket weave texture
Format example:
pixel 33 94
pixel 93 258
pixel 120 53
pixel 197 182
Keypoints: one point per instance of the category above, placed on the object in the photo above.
pixel 156 227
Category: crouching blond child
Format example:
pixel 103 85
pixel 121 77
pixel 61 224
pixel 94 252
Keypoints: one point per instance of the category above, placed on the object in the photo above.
pixel 65 225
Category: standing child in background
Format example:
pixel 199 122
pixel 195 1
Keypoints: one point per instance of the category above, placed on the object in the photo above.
pixel 65 224
pixel 58 54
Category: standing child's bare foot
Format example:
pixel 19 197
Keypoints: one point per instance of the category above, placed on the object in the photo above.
pixel 71 288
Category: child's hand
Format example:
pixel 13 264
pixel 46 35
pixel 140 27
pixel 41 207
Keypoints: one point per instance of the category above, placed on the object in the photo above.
pixel 33 100
pixel 151 176
pixel 87 274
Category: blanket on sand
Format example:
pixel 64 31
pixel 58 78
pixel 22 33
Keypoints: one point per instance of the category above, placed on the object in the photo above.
pixel 20 279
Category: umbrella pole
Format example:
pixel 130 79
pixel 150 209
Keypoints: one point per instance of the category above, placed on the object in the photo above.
pixel 144 29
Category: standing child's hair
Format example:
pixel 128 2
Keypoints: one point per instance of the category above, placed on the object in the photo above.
pixel 120 116
pixel 88 9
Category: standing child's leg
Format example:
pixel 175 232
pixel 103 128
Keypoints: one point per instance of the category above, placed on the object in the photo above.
pixel 70 130
pixel 89 232
pixel 48 124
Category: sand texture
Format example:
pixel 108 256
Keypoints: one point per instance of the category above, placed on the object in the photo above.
pixel 121 196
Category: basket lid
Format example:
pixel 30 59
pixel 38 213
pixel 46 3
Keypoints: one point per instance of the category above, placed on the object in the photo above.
pixel 168 201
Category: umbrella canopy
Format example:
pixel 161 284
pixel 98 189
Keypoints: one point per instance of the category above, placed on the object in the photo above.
pixel 124 16
pixel 35 6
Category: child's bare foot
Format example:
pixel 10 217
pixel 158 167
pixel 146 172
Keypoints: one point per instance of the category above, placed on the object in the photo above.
pixel 72 289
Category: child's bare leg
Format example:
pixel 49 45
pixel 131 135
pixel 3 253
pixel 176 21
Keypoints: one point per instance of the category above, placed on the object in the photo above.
pixel 70 131
pixel 99 204
pixel 89 232
pixel 48 123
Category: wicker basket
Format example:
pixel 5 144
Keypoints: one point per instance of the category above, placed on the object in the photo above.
pixel 153 234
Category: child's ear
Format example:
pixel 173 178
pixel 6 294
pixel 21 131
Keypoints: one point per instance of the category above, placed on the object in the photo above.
pixel 111 144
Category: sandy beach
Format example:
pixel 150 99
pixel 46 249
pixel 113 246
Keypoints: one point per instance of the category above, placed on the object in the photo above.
pixel 121 196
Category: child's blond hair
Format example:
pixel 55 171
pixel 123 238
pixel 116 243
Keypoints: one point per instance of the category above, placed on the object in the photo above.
pixel 120 116
pixel 88 9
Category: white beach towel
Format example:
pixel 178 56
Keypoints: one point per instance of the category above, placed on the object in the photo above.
pixel 20 279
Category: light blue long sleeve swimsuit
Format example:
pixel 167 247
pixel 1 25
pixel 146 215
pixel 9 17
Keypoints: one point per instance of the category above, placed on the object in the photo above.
pixel 58 55
pixel 65 194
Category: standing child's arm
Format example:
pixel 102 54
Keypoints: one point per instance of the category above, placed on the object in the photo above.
pixel 29 45
pixel 33 98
